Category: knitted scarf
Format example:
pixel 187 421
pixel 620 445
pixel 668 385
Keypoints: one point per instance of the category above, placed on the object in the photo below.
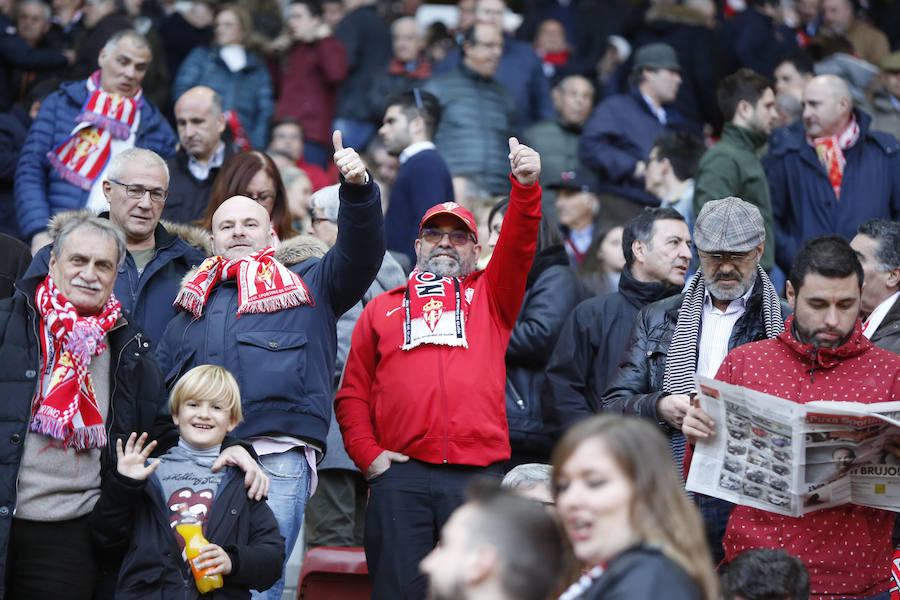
pixel 830 151
pixel 681 361
pixel 103 117
pixel 426 321
pixel 67 409
pixel 264 284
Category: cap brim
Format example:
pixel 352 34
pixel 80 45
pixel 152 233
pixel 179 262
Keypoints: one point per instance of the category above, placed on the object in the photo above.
pixel 452 214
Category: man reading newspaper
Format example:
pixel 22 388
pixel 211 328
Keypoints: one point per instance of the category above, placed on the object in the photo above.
pixel 821 355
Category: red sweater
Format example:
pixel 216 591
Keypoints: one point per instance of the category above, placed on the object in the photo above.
pixel 441 404
pixel 847 548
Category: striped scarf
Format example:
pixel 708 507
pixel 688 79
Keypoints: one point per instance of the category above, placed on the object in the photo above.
pixel 681 361
pixel 830 151
pixel 103 117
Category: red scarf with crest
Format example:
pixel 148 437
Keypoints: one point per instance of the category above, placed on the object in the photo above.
pixel 830 151
pixel 435 311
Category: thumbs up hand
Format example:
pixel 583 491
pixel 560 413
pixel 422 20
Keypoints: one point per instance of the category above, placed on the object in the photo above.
pixel 348 162
pixel 524 162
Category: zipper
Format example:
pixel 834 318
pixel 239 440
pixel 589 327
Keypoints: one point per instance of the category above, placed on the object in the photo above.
pixel 112 392
pixel 32 316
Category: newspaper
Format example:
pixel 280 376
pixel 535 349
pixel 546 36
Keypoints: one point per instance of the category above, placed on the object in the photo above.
pixel 790 458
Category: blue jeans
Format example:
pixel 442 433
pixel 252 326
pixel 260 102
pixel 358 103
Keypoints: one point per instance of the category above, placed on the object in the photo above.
pixel 288 494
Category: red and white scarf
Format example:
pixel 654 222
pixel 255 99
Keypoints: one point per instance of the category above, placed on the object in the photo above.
pixel 104 117
pixel 830 151
pixel 435 311
pixel 264 284
pixel 895 575
pixel 67 409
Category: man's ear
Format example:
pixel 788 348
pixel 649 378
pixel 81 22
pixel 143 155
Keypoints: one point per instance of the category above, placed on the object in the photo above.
pixel 220 124
pixel 639 249
pixel 742 109
pixel 791 295
pixel 107 188
pixel 893 279
pixel 480 564
pixel 477 251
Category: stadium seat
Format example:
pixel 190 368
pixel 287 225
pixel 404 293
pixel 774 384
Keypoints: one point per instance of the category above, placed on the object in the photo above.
pixel 334 574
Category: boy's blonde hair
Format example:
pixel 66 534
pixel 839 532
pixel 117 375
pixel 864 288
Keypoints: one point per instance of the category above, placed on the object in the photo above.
pixel 207 382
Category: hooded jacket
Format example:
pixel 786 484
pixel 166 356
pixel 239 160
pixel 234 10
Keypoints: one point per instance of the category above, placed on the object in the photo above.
pixel 803 201
pixel 846 548
pixel 284 361
pixel 441 404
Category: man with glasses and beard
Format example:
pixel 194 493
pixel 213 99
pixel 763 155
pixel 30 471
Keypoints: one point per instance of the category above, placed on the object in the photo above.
pixel 422 408
pixel 729 302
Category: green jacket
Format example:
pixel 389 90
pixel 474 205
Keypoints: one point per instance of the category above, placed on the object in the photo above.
pixel 732 168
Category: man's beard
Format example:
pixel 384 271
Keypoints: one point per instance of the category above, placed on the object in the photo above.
pixel 809 337
pixel 442 266
pixel 720 293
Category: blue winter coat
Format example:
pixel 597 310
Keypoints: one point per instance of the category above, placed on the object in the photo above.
pixel 147 296
pixel 40 192
pixel 284 361
pixel 248 92
pixel 803 201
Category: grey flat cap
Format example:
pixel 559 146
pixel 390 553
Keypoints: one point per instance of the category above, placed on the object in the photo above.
pixel 728 225
pixel 657 55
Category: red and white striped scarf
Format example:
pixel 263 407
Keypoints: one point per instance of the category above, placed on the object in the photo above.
pixel 830 151
pixel 435 311
pixel 67 409
pixel 104 117
pixel 264 284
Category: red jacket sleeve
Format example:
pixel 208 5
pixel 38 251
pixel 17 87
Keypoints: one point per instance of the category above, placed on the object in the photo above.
pixel 352 405
pixel 513 255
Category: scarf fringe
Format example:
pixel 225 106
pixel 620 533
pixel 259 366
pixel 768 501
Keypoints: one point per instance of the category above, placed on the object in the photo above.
pixel 190 301
pixel 116 128
pixel 274 304
pixel 67 174
pixel 83 438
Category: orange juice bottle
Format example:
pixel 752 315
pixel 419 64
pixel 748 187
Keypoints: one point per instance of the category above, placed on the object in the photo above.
pixel 193 541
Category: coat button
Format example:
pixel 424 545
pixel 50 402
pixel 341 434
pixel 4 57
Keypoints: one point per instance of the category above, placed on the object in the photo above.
pixel 234 511
pixel 15 438
pixel 4 512
pixel 30 373
pixel 273 345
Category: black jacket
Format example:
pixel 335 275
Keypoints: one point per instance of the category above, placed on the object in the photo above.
pixel 188 196
pixel 15 257
pixel 131 519
pixel 551 293
pixel 137 393
pixel 643 572
pixel 593 338
pixel 638 383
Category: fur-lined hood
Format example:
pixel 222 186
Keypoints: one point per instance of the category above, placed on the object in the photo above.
pixel 676 13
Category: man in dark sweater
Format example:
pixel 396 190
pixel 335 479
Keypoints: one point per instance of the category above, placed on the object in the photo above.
pixel 423 180
pixel 657 247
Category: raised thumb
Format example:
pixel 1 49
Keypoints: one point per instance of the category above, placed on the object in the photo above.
pixel 338 140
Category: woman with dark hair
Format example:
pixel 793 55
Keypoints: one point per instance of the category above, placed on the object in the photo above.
pixel 622 505
pixel 252 174
pixel 238 74
pixel 551 292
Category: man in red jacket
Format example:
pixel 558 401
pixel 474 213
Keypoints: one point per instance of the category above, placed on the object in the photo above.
pixel 821 355
pixel 422 404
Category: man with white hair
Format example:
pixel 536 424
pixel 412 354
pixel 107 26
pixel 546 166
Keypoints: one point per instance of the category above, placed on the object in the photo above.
pixel 136 187
pixel 830 172
pixel 270 319
pixel 79 128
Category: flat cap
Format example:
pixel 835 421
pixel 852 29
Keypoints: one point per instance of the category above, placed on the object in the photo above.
pixel 657 55
pixel 728 225
pixel 891 62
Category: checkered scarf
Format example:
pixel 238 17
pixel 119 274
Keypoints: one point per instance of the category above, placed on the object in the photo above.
pixel 264 284
pixel 830 151
pixel 103 117
pixel 67 409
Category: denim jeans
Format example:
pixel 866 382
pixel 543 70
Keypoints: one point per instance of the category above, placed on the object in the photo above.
pixel 288 494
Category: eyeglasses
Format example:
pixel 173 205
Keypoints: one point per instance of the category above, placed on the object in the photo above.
pixel 136 191
pixel 732 257
pixel 457 238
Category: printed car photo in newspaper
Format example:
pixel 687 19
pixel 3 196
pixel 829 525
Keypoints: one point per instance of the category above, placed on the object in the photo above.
pixel 790 458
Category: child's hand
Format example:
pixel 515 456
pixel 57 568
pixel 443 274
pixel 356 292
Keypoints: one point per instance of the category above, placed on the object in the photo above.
pixel 131 460
pixel 215 559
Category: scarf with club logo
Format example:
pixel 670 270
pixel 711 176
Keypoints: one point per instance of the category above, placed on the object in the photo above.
pixel 264 284
pixel 830 151
pixel 67 409
pixel 103 117
pixel 435 311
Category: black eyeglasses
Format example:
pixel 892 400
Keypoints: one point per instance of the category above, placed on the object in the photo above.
pixel 136 191
pixel 457 238
pixel 732 257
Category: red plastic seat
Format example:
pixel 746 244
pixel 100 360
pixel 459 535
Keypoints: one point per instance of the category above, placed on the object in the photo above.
pixel 330 573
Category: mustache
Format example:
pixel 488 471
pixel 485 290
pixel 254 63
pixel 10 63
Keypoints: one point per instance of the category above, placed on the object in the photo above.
pixel 82 283
pixel 444 251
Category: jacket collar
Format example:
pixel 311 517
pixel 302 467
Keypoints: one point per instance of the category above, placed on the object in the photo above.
pixel 892 316
pixel 825 358
pixel 641 293
pixel 754 140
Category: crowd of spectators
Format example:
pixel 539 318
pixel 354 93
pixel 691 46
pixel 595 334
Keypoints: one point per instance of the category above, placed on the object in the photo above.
pixel 704 166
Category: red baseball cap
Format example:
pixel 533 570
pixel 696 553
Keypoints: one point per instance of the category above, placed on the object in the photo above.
pixel 451 208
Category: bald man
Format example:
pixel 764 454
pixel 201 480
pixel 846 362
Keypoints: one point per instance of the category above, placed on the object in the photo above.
pixel 201 152
pixel 829 172
pixel 270 318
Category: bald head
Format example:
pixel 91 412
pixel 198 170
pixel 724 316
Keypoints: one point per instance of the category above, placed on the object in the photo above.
pixel 827 106
pixel 240 226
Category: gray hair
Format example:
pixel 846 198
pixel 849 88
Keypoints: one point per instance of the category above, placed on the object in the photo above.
pixel 327 202
pixel 527 476
pixel 87 220
pixel 48 13
pixel 131 34
pixel 887 234
pixel 147 157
